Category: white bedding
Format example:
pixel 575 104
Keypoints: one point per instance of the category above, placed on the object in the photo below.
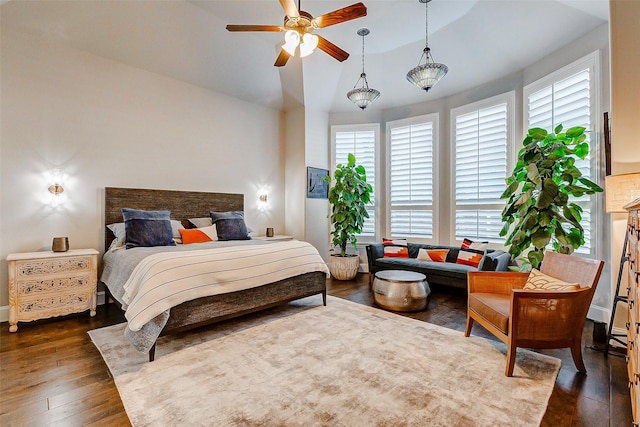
pixel 150 274
pixel 164 280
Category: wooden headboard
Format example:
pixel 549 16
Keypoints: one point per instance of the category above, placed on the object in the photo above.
pixel 182 204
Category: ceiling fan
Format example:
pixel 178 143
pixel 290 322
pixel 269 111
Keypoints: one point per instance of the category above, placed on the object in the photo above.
pixel 299 26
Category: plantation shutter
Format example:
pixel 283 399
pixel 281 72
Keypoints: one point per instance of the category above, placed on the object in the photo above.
pixel 568 102
pixel 481 147
pixel 411 180
pixel 361 144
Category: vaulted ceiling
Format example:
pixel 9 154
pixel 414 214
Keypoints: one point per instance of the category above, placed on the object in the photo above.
pixel 480 41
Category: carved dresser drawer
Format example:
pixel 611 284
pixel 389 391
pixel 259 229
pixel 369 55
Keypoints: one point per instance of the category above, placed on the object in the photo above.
pixel 633 298
pixel 48 284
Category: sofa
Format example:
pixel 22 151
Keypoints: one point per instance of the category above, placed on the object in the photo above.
pixel 447 273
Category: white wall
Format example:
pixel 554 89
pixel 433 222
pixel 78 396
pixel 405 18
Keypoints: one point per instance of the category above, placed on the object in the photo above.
pixel 107 124
pixel 317 225
pixel 295 173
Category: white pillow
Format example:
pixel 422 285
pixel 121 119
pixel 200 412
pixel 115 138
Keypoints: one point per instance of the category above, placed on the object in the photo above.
pixel 210 231
pixel 201 222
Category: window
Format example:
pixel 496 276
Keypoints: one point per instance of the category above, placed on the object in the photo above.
pixel 569 97
pixel 361 141
pixel 411 157
pixel 482 139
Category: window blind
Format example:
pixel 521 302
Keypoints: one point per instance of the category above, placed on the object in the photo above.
pixel 481 147
pixel 361 144
pixel 567 100
pixel 411 174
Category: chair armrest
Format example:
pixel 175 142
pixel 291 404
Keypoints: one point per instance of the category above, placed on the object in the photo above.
pixel 549 316
pixel 374 251
pixel 496 282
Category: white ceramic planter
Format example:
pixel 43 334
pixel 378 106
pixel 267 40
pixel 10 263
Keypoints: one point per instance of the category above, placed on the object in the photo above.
pixel 344 268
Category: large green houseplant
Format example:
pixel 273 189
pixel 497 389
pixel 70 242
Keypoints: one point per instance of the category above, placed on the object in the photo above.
pixel 541 192
pixel 349 195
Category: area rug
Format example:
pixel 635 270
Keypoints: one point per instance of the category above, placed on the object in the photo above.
pixel 341 365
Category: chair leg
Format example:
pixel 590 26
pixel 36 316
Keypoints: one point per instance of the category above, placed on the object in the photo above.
pixel 511 360
pixel 467 330
pixel 576 353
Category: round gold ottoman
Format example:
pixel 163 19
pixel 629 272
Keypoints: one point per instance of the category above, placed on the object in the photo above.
pixel 400 290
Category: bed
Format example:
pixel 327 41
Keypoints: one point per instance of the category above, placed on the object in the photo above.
pixel 202 310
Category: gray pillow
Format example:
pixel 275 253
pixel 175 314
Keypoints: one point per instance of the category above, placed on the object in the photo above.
pixel 120 234
pixel 222 215
pixel 231 229
pixel 147 228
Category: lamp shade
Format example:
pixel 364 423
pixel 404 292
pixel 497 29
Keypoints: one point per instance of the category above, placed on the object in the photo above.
pixel 363 96
pixel 621 190
pixel 426 75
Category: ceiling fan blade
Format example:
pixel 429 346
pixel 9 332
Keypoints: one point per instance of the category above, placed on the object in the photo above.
pixel 348 13
pixel 331 49
pixel 290 8
pixel 282 58
pixel 273 28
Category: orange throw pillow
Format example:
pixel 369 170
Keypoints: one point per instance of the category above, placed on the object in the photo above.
pixel 193 235
pixel 435 255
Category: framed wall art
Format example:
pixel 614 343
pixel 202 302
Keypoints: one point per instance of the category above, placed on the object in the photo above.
pixel 317 186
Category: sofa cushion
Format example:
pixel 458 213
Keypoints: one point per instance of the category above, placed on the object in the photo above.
pixel 433 255
pixel 470 257
pixel 395 248
pixel 493 307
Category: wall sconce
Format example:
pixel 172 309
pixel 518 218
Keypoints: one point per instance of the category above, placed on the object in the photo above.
pixel 262 201
pixel 56 189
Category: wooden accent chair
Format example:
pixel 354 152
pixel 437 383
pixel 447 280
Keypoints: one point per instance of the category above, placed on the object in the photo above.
pixel 534 318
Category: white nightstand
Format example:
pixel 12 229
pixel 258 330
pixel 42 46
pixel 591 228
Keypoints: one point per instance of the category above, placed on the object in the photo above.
pixel 275 238
pixel 48 284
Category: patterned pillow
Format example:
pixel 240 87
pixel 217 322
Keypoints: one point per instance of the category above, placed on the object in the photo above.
pixel 470 244
pixel 147 228
pixel 538 281
pixel 199 235
pixel 231 229
pixel 435 255
pixel 471 257
pixel 395 248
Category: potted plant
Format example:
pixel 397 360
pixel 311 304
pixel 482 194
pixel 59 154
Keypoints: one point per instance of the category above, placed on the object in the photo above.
pixel 348 196
pixel 541 192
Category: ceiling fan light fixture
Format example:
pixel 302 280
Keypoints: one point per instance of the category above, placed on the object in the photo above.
pixel 308 45
pixel 425 76
pixel 291 42
pixel 364 95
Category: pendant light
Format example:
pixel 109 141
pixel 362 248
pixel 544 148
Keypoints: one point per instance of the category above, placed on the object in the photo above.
pixel 363 96
pixel 427 75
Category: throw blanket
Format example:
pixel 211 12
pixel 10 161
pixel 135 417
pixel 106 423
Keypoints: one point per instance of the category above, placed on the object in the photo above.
pixel 164 280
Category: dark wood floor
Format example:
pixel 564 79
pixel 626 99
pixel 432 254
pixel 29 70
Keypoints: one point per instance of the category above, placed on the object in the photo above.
pixel 51 373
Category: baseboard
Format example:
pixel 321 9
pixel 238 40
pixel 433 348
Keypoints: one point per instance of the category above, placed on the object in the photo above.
pixel 599 314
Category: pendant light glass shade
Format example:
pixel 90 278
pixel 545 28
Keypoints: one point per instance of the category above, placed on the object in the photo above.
pixel 425 76
pixel 364 95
